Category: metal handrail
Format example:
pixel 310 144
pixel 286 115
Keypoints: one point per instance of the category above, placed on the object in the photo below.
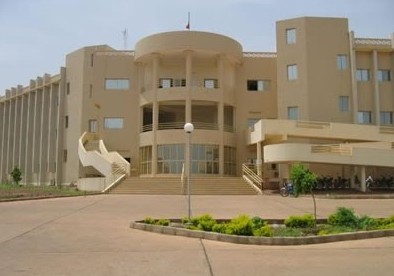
pixel 252 176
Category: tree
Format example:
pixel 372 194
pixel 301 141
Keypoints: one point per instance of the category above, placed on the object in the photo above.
pixel 16 175
pixel 304 182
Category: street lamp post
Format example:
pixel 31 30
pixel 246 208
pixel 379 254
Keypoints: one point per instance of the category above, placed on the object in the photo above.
pixel 188 130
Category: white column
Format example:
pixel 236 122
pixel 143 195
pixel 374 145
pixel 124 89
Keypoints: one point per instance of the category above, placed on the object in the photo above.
pixel 189 68
pixel 362 180
pixel 376 87
pixel 220 75
pixel 155 113
pixel 2 158
pixel 9 137
pixel 354 79
pixel 259 160
pixel 43 160
pixel 60 126
pixel 29 137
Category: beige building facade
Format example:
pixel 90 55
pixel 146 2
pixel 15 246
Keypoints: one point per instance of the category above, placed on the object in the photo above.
pixel 111 114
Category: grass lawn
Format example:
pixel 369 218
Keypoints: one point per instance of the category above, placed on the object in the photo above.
pixel 12 191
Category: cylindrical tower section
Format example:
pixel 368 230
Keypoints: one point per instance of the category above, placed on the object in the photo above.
pixel 187 76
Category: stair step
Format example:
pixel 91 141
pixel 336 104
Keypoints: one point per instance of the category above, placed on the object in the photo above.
pixel 173 185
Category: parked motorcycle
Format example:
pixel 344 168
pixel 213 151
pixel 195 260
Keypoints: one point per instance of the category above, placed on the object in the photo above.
pixel 287 189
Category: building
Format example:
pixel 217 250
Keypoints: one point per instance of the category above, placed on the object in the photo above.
pixel 325 98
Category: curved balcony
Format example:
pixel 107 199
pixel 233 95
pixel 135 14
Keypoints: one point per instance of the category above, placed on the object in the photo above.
pixel 179 41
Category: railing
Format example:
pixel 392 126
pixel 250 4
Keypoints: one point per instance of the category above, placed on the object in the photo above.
pixel 118 173
pixel 372 41
pixel 115 158
pixel 259 55
pixel 337 149
pixel 252 177
pixel 180 125
pixel 312 124
pixel 229 128
pixel 386 130
pixel 166 83
pixel 110 164
pixel 115 53
pixel 172 125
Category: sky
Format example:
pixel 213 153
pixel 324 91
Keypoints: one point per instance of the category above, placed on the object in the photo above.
pixel 36 35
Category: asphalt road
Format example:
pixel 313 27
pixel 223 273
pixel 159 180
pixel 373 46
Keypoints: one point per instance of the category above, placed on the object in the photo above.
pixel 91 236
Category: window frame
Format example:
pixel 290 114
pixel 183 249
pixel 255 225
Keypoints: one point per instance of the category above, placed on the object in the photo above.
pixel 113 127
pixel 116 84
pixel 210 83
pixel 383 117
pixel 258 85
pixel 384 77
pixel 361 117
pixel 289 113
pixel 291 36
pixel 362 74
pixel 344 106
pixel 342 63
pixel 292 72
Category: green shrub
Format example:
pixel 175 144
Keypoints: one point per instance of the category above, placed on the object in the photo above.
pixel 219 228
pixel 149 220
pixel 205 222
pixel 386 223
pixel 241 225
pixel 331 229
pixel 305 221
pixel 287 232
pixel 343 217
pixel 367 223
pixel 264 231
pixel 163 222
pixel 258 222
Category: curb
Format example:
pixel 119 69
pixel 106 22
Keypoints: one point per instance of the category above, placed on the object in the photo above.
pixel 168 230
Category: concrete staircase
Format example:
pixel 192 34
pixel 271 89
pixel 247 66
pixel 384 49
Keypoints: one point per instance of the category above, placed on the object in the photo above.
pixel 173 186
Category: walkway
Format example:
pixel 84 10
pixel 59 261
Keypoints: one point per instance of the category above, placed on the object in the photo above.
pixel 91 236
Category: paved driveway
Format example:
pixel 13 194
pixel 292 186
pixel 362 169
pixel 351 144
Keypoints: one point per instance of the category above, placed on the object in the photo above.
pixel 91 236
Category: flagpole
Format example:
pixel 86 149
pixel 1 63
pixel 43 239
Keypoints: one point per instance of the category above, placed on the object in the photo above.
pixel 188 21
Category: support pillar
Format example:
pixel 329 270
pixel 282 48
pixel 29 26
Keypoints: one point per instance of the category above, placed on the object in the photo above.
pixel 362 180
pixel 376 94
pixel 155 113
pixel 259 160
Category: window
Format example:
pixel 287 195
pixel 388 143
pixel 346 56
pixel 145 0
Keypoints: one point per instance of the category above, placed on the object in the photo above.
pixel 364 117
pixel 211 83
pixel 68 88
pixel 165 83
pixel 292 112
pixel 66 122
pixel 117 84
pixel 344 103
pixel 292 72
pixel 93 126
pixel 386 118
pixel 230 160
pixel 291 36
pixel 362 74
pixel 341 62
pixel 146 160
pixel 205 159
pixel 258 85
pixel 384 75
pixel 252 122
pixel 65 156
pixel 113 123
pixel 170 158
pixel 90 90
pixel 179 83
